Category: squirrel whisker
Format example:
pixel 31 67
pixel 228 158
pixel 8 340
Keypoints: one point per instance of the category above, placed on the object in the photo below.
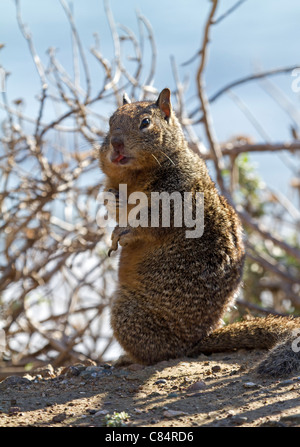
pixel 168 157
pixel 156 159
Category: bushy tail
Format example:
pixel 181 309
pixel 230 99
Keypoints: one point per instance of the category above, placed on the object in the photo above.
pixel 274 332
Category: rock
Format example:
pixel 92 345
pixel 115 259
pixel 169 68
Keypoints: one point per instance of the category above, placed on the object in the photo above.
pixel 80 366
pixel 197 386
pixel 173 394
pixel 135 367
pixel 45 371
pixel 73 371
pixel 162 364
pixel 94 368
pixel 160 382
pixel 239 420
pixel 14 410
pixel 91 372
pixel 291 418
pixel 173 413
pixel 89 362
pixel 155 394
pixel 120 373
pixel 101 413
pixel 37 378
pixel 273 423
pixel 88 375
pixel 14 380
pixel 28 377
pixel 286 382
pixel 59 417
pixel 216 368
pixel 106 366
pixel 251 385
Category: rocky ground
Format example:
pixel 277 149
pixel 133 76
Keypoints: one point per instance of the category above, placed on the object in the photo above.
pixel 211 391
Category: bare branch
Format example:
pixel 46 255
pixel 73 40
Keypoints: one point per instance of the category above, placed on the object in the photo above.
pixel 254 77
pixel 249 222
pixel 28 37
pixel 79 45
pixel 228 12
pixel 234 149
pixel 214 147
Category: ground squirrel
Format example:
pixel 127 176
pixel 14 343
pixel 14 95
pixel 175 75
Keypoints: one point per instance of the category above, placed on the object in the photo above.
pixel 173 290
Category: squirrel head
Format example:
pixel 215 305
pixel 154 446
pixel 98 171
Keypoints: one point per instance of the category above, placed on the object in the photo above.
pixel 142 135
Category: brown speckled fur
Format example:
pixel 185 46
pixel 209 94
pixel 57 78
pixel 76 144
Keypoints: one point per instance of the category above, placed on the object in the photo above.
pixel 173 291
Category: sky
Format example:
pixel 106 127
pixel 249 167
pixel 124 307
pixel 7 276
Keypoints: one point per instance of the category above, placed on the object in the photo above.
pixel 264 34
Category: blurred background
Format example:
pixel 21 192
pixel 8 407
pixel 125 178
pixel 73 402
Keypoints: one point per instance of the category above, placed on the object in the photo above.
pixel 234 71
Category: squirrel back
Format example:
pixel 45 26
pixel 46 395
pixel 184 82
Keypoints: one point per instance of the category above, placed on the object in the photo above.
pixel 175 283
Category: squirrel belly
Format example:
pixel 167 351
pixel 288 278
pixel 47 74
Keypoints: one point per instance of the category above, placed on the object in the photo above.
pixel 174 286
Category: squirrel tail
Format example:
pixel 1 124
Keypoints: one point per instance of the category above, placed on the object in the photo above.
pixel 280 334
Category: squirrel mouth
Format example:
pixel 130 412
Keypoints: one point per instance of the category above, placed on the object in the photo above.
pixel 120 159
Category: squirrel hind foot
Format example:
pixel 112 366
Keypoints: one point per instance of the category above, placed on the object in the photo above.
pixel 123 360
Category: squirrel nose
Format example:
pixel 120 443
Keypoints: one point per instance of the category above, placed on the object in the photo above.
pixel 117 143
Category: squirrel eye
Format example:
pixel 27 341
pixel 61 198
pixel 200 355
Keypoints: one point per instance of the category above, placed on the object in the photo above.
pixel 145 123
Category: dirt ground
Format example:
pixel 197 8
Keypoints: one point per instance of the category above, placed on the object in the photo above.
pixel 210 391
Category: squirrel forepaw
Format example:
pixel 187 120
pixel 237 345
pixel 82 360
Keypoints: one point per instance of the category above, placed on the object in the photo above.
pixel 119 236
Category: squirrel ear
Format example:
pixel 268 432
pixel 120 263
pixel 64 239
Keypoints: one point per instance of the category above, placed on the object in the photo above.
pixel 164 102
pixel 126 99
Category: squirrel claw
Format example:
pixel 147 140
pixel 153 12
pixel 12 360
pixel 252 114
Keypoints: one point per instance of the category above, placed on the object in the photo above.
pixel 114 245
pixel 117 238
pixel 109 252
